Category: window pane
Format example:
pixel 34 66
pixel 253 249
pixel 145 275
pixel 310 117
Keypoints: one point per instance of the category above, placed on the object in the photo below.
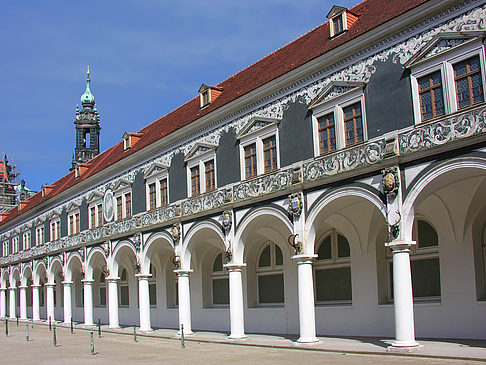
pixel 102 296
pixel 271 288
pixel 431 95
pixel 195 183
pixel 265 257
pixel 327 134
pixel 469 84
pixel 270 154
pixel 250 161
pixel 427 236
pixel 324 252
pixel 124 295
pixel 218 263
pixel 210 176
pixel 343 246
pixel 425 278
pixel 153 294
pixel 353 123
pixel 278 256
pixel 221 291
pixel 333 284
pixel 123 276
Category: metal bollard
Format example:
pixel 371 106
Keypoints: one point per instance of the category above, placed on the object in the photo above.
pixel 72 329
pixel 32 324
pixel 134 332
pixel 27 331
pixel 99 328
pixel 17 321
pixel 50 329
pixel 91 345
pixel 182 337
pixel 54 339
pixel 6 327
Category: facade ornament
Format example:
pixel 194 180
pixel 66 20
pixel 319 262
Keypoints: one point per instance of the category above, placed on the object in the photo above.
pixel 176 232
pixel 176 260
pixel 136 265
pixel 227 220
pixel 137 241
pixel 105 270
pixel 106 248
pixel 298 247
pixel 394 229
pixel 108 206
pixel 83 274
pixel 390 182
pixel 295 204
pixel 228 254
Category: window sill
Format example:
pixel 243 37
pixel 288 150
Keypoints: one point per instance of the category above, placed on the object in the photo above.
pixel 334 304
pixel 267 307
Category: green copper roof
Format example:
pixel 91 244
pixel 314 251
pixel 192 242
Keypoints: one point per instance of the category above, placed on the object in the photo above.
pixel 87 98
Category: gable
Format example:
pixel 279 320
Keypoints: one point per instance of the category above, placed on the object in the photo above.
pixel 256 124
pixel 334 90
pixel 199 149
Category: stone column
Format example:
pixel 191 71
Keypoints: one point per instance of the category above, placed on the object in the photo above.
pixel 35 303
pixel 3 302
pixel 402 296
pixel 237 317
pixel 113 302
pixel 67 301
pixel 307 310
pixel 184 301
pixel 13 305
pixel 23 302
pixel 88 301
pixel 144 301
pixel 50 301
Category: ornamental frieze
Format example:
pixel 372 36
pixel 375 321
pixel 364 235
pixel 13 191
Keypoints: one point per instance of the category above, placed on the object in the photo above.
pixel 159 215
pixel 124 226
pixel 343 161
pixel 262 185
pixel 455 127
pixel 203 202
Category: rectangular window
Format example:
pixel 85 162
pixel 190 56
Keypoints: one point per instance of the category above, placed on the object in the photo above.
pixel 76 221
pixel 92 217
pixel 58 230
pixel 250 161
pixel 353 124
pixel 270 154
pixel 128 204
pixel 71 225
pixel 119 214
pixel 152 196
pixel 153 294
pixel 164 196
pixel 195 183
pixel 338 25
pixel 327 133
pixel 210 176
pixel 469 84
pixel 100 215
pixel 431 95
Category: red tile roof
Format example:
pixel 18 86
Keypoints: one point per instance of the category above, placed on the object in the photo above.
pixel 371 13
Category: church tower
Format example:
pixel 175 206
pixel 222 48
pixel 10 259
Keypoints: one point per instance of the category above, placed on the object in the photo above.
pixel 87 128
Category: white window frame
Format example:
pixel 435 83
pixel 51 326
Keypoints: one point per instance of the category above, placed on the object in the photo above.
pixel 155 178
pixel 27 239
pixel 15 244
pixel 336 106
pixel 200 161
pixel 94 202
pixel 218 275
pixel 122 192
pixel 273 269
pixel 40 237
pixel 55 229
pixel 5 248
pixel 76 226
pixel 257 137
pixel 444 62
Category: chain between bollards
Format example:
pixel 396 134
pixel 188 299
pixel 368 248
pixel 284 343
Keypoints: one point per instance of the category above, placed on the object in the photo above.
pixel 54 339
pixel 91 345
pixel 6 327
pixel 27 331
pixel 99 328
pixel 134 332
pixel 182 337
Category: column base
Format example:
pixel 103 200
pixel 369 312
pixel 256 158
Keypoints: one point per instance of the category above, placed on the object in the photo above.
pixel 186 333
pixel 12 318
pixel 114 327
pixel 241 337
pixel 145 330
pixel 88 324
pixel 307 340
pixel 404 346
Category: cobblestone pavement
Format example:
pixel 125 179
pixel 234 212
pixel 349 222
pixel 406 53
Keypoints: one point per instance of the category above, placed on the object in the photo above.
pixel 121 349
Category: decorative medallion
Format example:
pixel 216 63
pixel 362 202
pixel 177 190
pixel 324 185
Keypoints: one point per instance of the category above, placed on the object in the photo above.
pixel 295 204
pixel 227 220
pixel 108 206
pixel 176 232
pixel 390 182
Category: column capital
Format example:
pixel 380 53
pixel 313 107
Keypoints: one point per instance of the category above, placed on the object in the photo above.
pixel 112 279
pixel 23 287
pixel 234 267
pixel 50 285
pixel 3 289
pixel 400 246
pixel 304 259
pixel 182 272
pixel 143 276
pixel 12 288
pixel 87 281
pixel 67 283
pixel 36 285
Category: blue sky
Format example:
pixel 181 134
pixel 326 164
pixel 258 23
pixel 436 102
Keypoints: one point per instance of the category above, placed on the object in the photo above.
pixel 146 58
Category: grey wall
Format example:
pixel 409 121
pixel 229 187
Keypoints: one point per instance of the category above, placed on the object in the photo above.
pixel 227 159
pixel 64 230
pixel 47 231
pixel 83 215
pixel 295 131
pixel 177 178
pixel 138 194
pixel 388 99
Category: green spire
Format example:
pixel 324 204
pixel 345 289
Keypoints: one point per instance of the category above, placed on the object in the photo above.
pixel 87 99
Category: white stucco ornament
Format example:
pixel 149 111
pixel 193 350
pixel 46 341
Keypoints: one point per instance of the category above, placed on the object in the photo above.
pixel 108 206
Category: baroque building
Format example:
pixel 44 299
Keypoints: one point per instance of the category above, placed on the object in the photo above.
pixel 335 187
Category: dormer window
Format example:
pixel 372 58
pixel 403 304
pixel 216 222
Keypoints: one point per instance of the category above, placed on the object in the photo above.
pixel 129 139
pixel 207 94
pixel 340 20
